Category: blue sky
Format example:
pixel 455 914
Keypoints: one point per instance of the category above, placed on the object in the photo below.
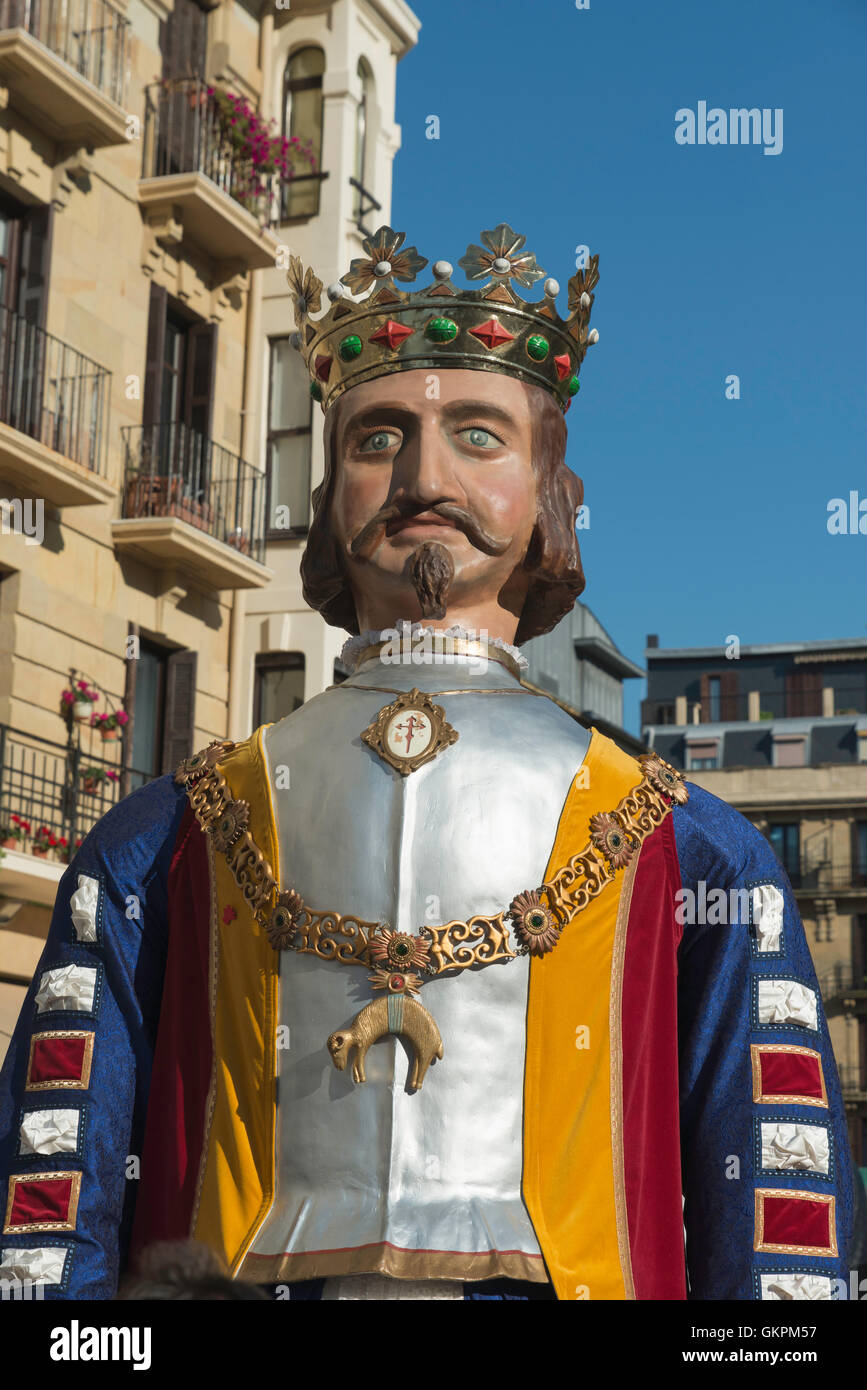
pixel 708 516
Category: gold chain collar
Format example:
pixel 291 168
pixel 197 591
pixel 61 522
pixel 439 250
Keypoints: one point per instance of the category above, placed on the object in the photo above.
pixel 537 916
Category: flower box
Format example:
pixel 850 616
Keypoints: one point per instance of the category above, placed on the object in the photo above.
pixel 153 495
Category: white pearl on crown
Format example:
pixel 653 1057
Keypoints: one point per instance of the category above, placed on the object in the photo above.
pixel 382 268
pixel 336 291
pixel 443 270
pixel 552 287
pixel 593 336
pixel 501 266
pixel 585 300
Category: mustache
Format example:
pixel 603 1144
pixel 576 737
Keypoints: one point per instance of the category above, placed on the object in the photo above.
pixel 372 533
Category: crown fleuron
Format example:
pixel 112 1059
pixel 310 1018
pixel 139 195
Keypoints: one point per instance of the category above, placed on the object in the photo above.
pixel 489 329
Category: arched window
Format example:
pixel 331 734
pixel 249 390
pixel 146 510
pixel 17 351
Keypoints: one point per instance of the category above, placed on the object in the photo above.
pixel 362 175
pixel 362 117
pixel 302 116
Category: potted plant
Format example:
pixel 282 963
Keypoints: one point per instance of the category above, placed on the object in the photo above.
pixel 78 701
pixel 13 835
pixel 64 852
pixel 110 725
pixel 239 539
pixel 43 841
pixel 94 777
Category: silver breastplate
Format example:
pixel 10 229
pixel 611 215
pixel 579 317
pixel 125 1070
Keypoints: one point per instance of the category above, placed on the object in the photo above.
pixel 374 1177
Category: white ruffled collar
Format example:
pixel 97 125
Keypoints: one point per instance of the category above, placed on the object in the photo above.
pixel 354 647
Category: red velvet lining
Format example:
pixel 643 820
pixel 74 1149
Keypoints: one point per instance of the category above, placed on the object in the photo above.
pixel 182 1062
pixel 651 1131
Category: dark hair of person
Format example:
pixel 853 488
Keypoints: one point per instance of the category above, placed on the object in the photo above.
pixel 185 1271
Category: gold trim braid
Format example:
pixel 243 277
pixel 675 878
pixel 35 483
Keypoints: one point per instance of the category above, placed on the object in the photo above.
pixel 616 838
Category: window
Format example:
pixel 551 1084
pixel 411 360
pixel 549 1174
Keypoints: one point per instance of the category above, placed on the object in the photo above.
pixel 718 697
pixel 302 117
pixel 714 697
pixel 278 686
pixel 25 239
pixel 163 702
pixel 789 752
pixel 184 41
pixel 178 399
pixel 702 756
pixel 362 133
pixel 786 843
pixel 149 699
pixel 290 410
pixel 803 693
pixel 860 856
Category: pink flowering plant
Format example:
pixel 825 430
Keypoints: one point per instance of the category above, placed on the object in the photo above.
pixel 93 776
pixel 113 720
pixel 262 151
pixel 79 693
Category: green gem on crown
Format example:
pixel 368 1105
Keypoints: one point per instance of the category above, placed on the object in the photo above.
pixel 574 385
pixel 441 330
pixel 538 347
pixel 316 390
pixel 349 347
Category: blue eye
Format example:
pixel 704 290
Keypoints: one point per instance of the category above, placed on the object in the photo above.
pixel 479 438
pixel 379 442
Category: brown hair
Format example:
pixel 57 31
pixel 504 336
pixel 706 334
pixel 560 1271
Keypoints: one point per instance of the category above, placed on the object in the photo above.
pixel 553 557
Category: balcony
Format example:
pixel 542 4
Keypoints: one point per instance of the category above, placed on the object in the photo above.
pixel 757 706
pixel 192 505
pixel 53 416
pixel 43 783
pixel 821 879
pixel 196 185
pixel 853 1083
pixel 65 64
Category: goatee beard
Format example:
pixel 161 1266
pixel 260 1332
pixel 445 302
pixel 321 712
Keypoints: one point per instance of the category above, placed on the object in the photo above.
pixel 432 570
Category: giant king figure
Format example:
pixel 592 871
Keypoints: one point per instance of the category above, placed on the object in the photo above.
pixel 408 1006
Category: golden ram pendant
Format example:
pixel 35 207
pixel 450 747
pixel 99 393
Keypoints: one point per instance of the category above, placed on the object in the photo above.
pixel 397 1013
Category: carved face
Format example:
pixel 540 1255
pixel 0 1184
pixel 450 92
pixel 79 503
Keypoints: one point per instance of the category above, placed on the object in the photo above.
pixel 338 1046
pixel 455 468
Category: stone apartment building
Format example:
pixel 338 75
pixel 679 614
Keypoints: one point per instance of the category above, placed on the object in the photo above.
pixel 153 421
pixel 780 732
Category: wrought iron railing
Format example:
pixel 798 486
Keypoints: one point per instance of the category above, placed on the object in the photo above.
pixel 90 35
pixel 53 393
pixel 184 134
pixel 841 979
pixel 44 784
pixel 823 878
pixel 171 470
pixel 849 695
pixel 852 1078
pixel 364 203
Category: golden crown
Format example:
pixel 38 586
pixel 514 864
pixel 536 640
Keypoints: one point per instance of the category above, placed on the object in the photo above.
pixel 489 329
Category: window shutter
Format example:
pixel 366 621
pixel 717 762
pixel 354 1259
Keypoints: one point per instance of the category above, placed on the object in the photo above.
pixel 184 41
pixel 200 376
pixel 152 405
pixel 803 693
pixel 728 695
pixel 704 698
pixel 180 715
pixel 36 227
